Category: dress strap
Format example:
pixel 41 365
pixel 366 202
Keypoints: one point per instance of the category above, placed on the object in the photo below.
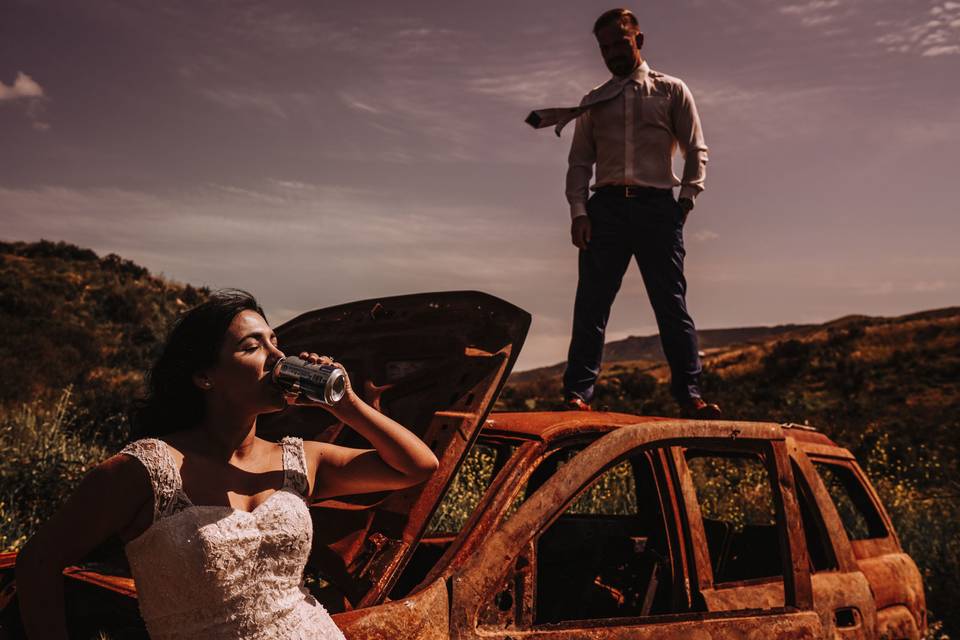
pixel 164 476
pixel 294 465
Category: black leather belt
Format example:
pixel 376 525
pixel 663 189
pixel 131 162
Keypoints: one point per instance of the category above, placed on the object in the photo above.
pixel 632 191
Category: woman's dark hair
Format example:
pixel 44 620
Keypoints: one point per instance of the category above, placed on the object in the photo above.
pixel 173 402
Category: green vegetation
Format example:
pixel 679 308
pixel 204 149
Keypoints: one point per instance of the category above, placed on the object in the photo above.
pixel 73 318
pixel 733 490
pixel 612 494
pixel 81 329
pixel 43 460
pixel 465 491
pixel 887 389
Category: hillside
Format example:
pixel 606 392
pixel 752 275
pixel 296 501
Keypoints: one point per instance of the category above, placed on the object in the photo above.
pixel 732 354
pixel 74 318
pixel 887 388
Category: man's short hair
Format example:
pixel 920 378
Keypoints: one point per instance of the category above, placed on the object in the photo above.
pixel 623 17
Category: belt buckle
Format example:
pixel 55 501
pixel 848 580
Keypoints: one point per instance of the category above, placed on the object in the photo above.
pixel 631 191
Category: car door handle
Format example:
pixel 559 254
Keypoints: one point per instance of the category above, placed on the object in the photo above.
pixel 847 618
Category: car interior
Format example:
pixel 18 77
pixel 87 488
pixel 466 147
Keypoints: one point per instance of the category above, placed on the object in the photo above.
pixel 739 519
pixel 606 556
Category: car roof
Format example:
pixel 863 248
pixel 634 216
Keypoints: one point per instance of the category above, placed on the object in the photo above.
pixel 807 435
pixel 548 426
pixel 552 426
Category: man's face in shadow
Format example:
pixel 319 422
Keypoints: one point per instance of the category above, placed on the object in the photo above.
pixel 620 48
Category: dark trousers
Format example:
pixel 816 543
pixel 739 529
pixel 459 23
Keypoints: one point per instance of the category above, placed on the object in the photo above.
pixel 650 229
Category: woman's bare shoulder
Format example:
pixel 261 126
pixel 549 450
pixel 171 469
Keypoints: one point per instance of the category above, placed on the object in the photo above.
pixel 121 474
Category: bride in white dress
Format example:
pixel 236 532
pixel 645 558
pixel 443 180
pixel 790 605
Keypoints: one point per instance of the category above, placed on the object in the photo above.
pixel 214 519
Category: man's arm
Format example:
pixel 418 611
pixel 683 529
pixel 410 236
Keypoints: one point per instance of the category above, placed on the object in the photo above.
pixel 686 125
pixel 580 163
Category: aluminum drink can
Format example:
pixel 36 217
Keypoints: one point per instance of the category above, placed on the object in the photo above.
pixel 317 382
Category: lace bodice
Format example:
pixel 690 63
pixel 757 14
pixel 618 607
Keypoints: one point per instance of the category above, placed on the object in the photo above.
pixel 216 572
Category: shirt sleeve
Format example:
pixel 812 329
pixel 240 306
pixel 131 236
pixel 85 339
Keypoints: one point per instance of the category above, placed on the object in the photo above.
pixel 583 155
pixel 686 124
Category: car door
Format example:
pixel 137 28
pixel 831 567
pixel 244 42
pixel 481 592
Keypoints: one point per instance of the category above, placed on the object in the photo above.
pixel 603 605
pixel 861 528
pixel 736 548
pixel 841 592
pixel 435 362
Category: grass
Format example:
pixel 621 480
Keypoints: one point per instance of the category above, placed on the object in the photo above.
pixel 887 389
pixel 43 461
pixel 45 458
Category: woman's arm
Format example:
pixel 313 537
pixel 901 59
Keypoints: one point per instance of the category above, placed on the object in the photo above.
pixel 399 458
pixel 107 501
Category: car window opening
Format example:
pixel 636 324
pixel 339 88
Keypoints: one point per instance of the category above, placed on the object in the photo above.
pixel 739 517
pixel 606 555
pixel 480 466
pixel 860 517
pixel 822 556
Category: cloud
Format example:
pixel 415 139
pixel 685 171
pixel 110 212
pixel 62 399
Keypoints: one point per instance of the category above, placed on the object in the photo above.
pixel 945 50
pixel 762 109
pixel 292 184
pixel 900 30
pixel 918 35
pixel 410 86
pixel 357 105
pixel 705 236
pixel 27 92
pixel 891 288
pixel 23 87
pixel 814 6
pixel 929 286
pixel 815 12
pixel 247 100
pixel 309 245
pixel 561 79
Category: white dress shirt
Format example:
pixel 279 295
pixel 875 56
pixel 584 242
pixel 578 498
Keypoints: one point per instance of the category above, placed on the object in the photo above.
pixel 630 131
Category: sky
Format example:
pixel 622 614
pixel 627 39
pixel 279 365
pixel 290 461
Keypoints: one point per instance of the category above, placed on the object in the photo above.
pixel 317 153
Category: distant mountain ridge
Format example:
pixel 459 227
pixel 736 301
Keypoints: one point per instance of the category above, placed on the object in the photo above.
pixel 648 349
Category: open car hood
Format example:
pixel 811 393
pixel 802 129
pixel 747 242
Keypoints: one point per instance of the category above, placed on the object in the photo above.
pixel 435 363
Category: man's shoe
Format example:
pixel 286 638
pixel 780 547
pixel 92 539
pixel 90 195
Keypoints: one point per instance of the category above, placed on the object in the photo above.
pixel 576 404
pixel 701 409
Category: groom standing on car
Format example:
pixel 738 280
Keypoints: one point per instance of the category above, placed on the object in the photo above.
pixel 629 129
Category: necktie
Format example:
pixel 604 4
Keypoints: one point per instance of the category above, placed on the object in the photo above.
pixel 558 117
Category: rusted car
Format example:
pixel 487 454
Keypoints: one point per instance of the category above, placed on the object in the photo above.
pixel 562 525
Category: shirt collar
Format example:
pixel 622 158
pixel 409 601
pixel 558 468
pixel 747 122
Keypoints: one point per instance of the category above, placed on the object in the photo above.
pixel 640 73
pixel 615 85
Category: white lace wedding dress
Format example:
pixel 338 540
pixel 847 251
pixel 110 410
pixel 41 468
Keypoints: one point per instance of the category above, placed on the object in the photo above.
pixel 215 572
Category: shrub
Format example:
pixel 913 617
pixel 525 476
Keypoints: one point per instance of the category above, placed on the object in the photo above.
pixel 43 461
pixel 924 504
